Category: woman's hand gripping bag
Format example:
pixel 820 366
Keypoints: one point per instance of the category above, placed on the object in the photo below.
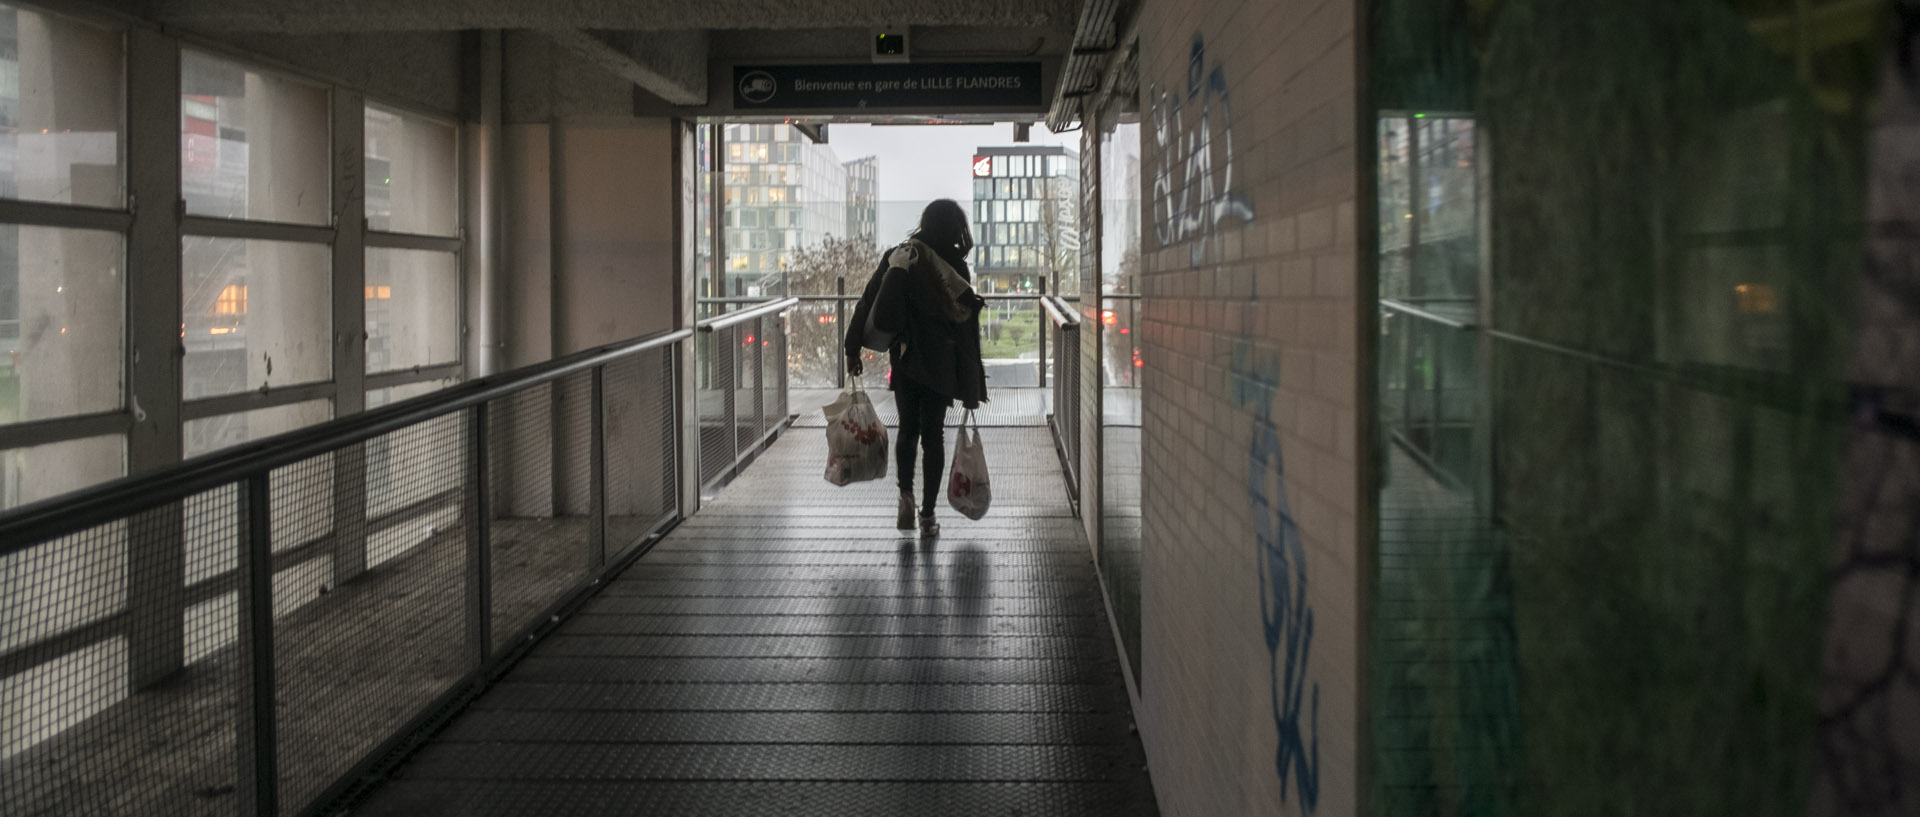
pixel 968 490
pixel 856 439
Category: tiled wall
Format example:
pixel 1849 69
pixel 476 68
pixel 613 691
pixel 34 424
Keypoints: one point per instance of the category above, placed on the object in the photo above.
pixel 1251 591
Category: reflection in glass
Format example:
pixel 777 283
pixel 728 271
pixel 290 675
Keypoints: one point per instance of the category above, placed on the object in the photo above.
pixel 413 309
pixel 249 317
pixel 412 167
pixel 252 145
pixel 1120 365
pixel 1617 247
pixel 42 471
pixel 61 90
pixel 62 322
pixel 210 434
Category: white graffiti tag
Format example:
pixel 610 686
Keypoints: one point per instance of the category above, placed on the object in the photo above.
pixel 1201 203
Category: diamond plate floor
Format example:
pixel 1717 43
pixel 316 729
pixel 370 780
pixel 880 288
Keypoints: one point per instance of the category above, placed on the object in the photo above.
pixel 787 652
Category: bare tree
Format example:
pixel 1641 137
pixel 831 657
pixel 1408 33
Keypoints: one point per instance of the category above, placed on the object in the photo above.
pixel 813 330
pixel 1059 238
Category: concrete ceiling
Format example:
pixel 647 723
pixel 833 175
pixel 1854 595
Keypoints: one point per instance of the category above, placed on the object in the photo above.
pixel 665 46
pixel 311 17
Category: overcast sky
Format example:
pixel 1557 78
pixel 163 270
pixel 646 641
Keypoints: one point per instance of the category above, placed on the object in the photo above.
pixel 920 163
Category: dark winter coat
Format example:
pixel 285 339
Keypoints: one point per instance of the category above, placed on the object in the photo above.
pixel 935 352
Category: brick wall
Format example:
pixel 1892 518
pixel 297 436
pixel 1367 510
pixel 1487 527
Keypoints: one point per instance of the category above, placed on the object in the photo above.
pixel 1252 393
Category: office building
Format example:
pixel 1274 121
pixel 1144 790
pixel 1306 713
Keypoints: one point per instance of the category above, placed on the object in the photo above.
pixel 1025 224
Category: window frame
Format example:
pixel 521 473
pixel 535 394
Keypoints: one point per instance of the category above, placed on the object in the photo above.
pixel 117 421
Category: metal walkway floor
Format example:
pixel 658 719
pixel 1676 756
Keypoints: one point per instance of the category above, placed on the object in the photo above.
pixel 786 651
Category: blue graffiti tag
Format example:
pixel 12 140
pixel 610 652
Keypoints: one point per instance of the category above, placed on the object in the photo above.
pixel 1200 205
pixel 1282 568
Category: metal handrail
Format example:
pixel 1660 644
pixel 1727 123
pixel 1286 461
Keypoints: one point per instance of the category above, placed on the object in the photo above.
pixel 1029 296
pixel 27 525
pixel 1410 309
pixel 1057 312
pixel 731 318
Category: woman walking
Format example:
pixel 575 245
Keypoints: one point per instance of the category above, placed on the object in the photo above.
pixel 935 354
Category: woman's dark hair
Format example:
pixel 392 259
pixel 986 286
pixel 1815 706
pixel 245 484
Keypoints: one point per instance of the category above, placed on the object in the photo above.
pixel 943 226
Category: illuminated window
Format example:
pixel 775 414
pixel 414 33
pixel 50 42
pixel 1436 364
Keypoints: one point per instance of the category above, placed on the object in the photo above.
pixel 379 293
pixel 232 300
pixel 1755 298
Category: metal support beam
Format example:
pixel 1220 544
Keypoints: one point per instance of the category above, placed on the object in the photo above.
pixel 479 518
pixel 258 747
pixel 671 65
pixel 480 146
pixel 597 471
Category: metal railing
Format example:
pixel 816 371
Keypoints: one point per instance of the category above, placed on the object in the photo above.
pixel 1002 327
pixel 254 631
pixel 742 370
pixel 1428 379
pixel 1064 322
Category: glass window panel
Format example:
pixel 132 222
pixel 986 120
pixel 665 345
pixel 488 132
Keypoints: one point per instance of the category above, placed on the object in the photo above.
pixel 413 309
pixel 254 313
pixel 42 471
pixel 412 174
pixel 395 394
pixel 60 110
pixel 62 322
pixel 210 434
pixel 252 145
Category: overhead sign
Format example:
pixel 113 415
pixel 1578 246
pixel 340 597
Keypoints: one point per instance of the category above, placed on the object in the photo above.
pixel 983 165
pixel 930 87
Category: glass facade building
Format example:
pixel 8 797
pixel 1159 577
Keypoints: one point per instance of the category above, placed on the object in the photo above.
pixel 1025 222
pixel 783 192
pixel 863 204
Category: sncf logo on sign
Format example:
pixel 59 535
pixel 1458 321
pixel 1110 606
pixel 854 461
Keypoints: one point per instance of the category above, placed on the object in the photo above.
pixel 983 165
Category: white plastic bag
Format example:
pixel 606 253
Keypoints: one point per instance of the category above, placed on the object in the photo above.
pixel 968 490
pixel 856 439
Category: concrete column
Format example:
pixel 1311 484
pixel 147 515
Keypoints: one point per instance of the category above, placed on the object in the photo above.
pixel 349 329
pixel 156 561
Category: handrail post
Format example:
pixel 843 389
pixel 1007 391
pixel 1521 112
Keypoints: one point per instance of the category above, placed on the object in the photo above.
pixel 479 597
pixel 1040 330
pixel 840 330
pixel 597 472
pixel 758 340
pixel 259 775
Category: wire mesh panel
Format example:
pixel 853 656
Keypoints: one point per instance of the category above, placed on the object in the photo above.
pixel 368 628
pixel 637 396
pixel 783 371
pixel 773 359
pixel 719 366
pixel 345 588
pixel 746 401
pixel 538 557
pixel 116 694
pixel 1066 398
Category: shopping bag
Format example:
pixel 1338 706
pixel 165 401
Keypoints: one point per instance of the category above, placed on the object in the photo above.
pixel 968 490
pixel 856 439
